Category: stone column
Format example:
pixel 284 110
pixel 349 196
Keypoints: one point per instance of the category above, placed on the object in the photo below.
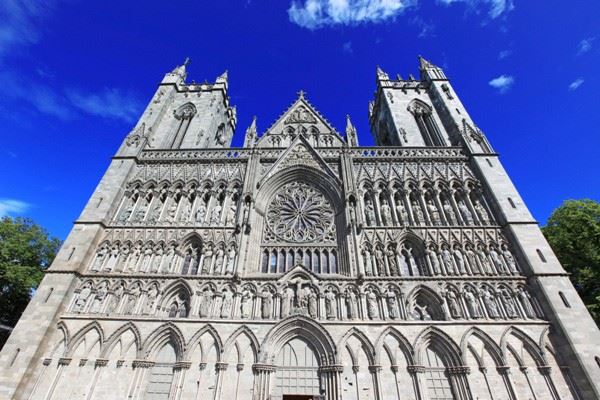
pixel 504 371
pixel 330 381
pixel 221 367
pixel 458 378
pixel 98 367
pixel 262 380
pixel 62 363
pixel 416 374
pixel 201 368
pixel 140 368
pixel 45 363
pixel 545 371
pixel 375 370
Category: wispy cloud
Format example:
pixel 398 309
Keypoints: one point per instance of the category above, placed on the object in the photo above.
pixel 109 103
pixel 19 22
pixel 314 14
pixel 503 83
pixel 11 206
pixel 494 8
pixel 347 47
pixel 426 29
pixel 504 54
pixel 585 45
pixel 575 84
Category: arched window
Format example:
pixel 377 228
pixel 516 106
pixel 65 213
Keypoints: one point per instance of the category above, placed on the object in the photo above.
pixel 184 115
pixel 273 266
pixel 265 262
pixel 297 370
pixel 437 384
pixel 426 123
pixel 160 378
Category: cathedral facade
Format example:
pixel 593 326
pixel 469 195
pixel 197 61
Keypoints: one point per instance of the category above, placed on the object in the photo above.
pixel 304 266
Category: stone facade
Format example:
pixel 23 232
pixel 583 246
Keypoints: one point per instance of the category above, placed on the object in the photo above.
pixel 304 264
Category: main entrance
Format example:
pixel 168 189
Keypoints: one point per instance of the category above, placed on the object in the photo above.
pixel 297 376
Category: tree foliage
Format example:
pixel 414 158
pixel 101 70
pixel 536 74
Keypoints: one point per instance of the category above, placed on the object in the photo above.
pixel 26 250
pixel 573 231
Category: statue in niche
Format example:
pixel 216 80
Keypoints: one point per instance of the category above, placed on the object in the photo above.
pixel 464 212
pixel 101 293
pixel 490 303
pixel 113 259
pixel 352 304
pixel 312 303
pixel 124 217
pixel 168 260
pixel 372 306
pixel 172 212
pixel 330 304
pixel 449 211
pixel 115 299
pixel 151 300
pixel 434 213
pixel 367 258
pixel 482 212
pixel 485 261
pixel 460 260
pixel 123 258
pixel 218 303
pixel 392 303
pixel 417 213
pixel 401 211
pixel 370 213
pixel 186 209
pixel 472 259
pixel 267 303
pixel 497 260
pixel 510 259
pixel 472 304
pixel 193 266
pixel 433 259
pixel 154 215
pixel 158 258
pixel 453 306
pixel 208 256
pixel 447 259
pixel 133 259
pixel 100 257
pixel 140 212
pixel 246 303
pixel 386 213
pixel 227 304
pixel 205 302
pixel 147 259
pixel 132 298
pixel 379 261
pixel 231 253
pixel 404 265
pixel 82 297
pixel 230 219
pixel 220 255
pixel 525 300
pixel 302 296
pixel 287 299
pixel 201 213
pixel 392 260
pixel 215 215
pixel 507 302
pixel 411 260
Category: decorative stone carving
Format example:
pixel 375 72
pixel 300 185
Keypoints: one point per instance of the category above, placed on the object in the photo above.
pixel 301 115
pixel 370 213
pixel 267 304
pixel 392 303
pixel 330 306
pixel 206 299
pixel 372 305
pixel 82 297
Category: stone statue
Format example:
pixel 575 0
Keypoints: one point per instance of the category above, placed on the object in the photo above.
pixel 287 298
pixel 132 298
pixel 217 304
pixel 207 262
pixel 449 211
pixel 379 261
pixel 485 261
pixel 231 253
pixel 124 217
pixel 158 256
pixel 246 306
pixel 172 212
pixel 460 260
pixel 167 260
pixel 351 304
pixel 370 213
pixel 372 306
pixel 215 215
pixel 230 219
pixel 154 215
pixel 100 257
pixel 497 260
pixel 115 299
pixel 525 300
pixel 313 303
pixel 99 298
pixel 417 213
pixel 152 296
pixel 201 213
pixel 447 259
pixel 330 304
pixel 133 259
pixel 472 259
pixel 367 258
pixel 401 212
pixel 185 211
pixel 220 255
pixel 433 259
pixel 490 303
pixel 434 213
pixel 453 306
pixel 147 259
pixel 386 213
pixel 464 211
pixel 267 304
pixel 82 297
pixel 510 260
pixel 392 303
pixel 392 260
pixel 472 305
pixel 113 259
pixel 205 302
pixel 482 212
pixel 227 304
pixel 193 266
pixel 507 302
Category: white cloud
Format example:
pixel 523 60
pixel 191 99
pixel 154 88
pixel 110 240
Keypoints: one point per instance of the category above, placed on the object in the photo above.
pixel 19 20
pixel 503 83
pixel 314 14
pixel 110 103
pixel 585 45
pixel 11 206
pixel 504 54
pixel 575 84
pixel 495 8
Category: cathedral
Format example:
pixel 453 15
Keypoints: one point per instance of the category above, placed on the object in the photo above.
pixel 303 265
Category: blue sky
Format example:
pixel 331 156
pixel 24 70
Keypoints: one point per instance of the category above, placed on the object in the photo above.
pixel 76 75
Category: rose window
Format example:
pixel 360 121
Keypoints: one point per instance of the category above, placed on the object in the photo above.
pixel 300 213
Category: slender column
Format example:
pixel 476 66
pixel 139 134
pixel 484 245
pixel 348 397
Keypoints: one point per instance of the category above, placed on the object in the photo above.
pixel 483 371
pixel 435 197
pixel 142 367
pixel 45 363
pixel 408 208
pixel 476 218
pixel 395 372
pixel 355 369
pixel 201 368
pixel 221 367
pixel 62 363
pixel 426 215
pixel 262 385
pixel 545 371
pixel 375 370
pixel 504 371
pixel 416 372
pixel 98 367
pixel 181 368
pixel 458 375
pixel 330 381
pixel 525 372
pixel 375 199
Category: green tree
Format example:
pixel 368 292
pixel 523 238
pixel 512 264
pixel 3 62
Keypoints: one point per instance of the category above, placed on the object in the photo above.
pixel 573 231
pixel 26 250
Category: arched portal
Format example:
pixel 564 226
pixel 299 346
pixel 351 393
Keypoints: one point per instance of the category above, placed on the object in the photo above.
pixel 297 371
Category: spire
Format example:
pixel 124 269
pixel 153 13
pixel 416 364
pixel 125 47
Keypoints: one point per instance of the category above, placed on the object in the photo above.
pixel 301 94
pixel 251 134
pixel 381 75
pixel 429 71
pixel 424 64
pixel 351 135
pixel 178 74
pixel 223 77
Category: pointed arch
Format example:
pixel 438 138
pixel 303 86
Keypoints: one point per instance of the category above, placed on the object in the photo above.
pixel 403 343
pixel 492 348
pixel 243 331
pixel 364 341
pixel 80 335
pixel 196 340
pixel 166 333
pixel 438 340
pixel 113 339
pixel 527 342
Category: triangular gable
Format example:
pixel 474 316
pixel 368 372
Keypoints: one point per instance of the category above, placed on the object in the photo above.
pixel 300 153
pixel 300 118
pixel 298 274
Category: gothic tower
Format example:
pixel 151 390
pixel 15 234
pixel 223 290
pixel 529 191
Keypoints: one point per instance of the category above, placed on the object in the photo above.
pixel 304 266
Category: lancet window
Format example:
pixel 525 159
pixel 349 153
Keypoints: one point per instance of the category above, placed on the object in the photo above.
pixel 423 114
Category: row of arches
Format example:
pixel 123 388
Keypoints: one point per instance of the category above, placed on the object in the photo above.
pixel 299 352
